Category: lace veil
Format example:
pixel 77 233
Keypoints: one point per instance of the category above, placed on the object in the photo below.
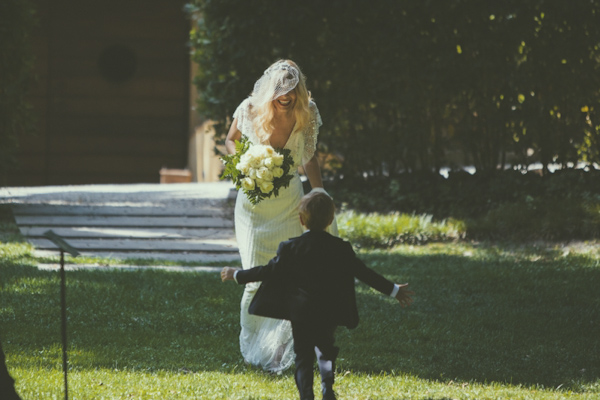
pixel 277 80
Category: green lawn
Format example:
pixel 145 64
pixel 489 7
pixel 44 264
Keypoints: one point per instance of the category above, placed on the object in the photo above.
pixel 488 322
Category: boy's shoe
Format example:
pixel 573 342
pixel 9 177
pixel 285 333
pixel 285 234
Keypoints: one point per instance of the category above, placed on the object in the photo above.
pixel 329 396
pixel 328 393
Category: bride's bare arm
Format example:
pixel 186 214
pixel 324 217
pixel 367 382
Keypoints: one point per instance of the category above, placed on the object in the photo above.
pixel 313 172
pixel 233 135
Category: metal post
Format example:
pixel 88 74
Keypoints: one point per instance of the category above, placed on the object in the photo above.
pixel 63 314
pixel 63 246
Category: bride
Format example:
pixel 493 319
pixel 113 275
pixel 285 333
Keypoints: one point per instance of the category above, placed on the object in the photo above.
pixel 279 112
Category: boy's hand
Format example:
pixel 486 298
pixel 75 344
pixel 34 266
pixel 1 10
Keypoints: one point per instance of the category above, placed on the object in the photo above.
pixel 403 295
pixel 227 273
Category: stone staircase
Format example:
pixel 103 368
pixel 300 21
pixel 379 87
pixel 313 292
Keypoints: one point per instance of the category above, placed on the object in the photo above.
pixel 175 222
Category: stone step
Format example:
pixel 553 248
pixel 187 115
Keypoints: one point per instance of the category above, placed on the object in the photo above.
pixel 123 221
pixel 164 233
pixel 206 210
pixel 96 267
pixel 175 257
pixel 104 245
pixel 181 223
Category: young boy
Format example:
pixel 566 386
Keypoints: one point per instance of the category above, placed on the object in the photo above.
pixel 310 282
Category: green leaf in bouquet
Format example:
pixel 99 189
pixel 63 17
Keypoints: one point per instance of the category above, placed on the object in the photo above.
pixel 285 179
pixel 256 195
pixel 231 161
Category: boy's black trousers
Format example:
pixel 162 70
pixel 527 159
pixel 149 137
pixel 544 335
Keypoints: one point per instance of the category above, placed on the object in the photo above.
pixel 312 339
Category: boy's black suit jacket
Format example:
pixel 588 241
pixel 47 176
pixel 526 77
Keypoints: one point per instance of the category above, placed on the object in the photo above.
pixel 311 279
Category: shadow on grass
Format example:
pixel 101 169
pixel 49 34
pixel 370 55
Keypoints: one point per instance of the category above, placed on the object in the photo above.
pixel 522 319
pixel 492 317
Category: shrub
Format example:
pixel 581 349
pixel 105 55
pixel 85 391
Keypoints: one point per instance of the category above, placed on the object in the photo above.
pixel 509 205
pixel 538 219
pixel 459 78
pixel 378 230
pixel 462 195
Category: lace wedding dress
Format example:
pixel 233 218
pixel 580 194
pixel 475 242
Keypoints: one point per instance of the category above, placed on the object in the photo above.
pixel 267 342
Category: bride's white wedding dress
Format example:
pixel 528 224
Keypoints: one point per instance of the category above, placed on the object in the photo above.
pixel 267 342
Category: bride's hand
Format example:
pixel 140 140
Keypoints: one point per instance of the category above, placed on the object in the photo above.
pixel 227 274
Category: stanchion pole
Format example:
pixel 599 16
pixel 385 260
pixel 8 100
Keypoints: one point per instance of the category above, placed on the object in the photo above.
pixel 63 316
pixel 63 246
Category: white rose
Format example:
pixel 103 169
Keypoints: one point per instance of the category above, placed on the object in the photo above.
pixel 245 158
pixel 277 172
pixel 256 150
pixel 264 174
pixel 269 162
pixel 268 151
pixel 255 162
pixel 266 186
pixel 278 159
pixel 248 184
pixel 243 167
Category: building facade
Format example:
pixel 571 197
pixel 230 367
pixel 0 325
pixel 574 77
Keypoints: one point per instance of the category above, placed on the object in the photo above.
pixel 113 97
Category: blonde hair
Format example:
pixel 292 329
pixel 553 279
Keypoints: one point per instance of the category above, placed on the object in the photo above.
pixel 317 210
pixel 263 123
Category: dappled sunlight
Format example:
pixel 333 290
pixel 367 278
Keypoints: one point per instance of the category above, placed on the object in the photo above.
pixel 49 357
pixel 15 250
pixel 537 251
pixel 464 249
pixel 576 253
pixel 386 230
pixel 117 383
pixel 482 313
pixel 33 285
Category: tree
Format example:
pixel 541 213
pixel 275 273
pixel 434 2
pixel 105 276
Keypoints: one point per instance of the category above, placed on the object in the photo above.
pixel 402 84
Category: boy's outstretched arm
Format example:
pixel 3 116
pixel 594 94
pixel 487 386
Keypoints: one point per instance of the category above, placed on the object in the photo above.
pixel 228 273
pixel 403 295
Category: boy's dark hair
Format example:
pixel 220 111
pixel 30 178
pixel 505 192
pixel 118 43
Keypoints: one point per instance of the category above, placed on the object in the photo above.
pixel 317 210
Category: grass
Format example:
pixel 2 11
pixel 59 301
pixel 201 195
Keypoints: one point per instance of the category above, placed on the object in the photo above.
pixel 490 321
pixel 387 230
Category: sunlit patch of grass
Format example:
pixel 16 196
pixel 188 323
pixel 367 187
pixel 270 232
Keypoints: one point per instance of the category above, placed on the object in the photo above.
pixel 15 251
pixel 385 230
pixel 154 262
pixel 116 383
pixel 150 262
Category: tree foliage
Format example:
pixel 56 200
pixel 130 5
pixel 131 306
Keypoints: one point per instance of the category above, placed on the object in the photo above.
pixel 407 85
pixel 17 19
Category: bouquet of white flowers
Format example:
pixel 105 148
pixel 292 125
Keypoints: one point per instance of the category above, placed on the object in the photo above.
pixel 259 170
